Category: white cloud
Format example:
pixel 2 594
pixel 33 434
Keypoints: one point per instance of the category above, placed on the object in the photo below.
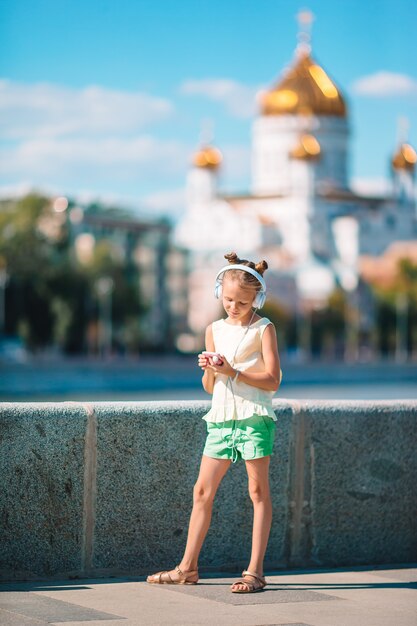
pixel 86 159
pixel 17 190
pixel 92 138
pixel 47 110
pixel 63 141
pixel 385 84
pixel 239 99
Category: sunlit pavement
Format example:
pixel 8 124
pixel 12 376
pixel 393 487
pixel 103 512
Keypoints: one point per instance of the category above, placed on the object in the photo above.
pixel 363 596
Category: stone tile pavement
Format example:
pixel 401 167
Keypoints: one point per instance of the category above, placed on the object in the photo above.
pixel 362 596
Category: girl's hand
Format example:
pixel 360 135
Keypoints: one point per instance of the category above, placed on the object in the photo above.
pixel 203 361
pixel 225 368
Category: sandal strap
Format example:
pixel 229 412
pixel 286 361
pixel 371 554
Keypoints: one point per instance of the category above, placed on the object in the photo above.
pixel 249 583
pixel 165 577
pixel 166 574
pixel 261 579
pixel 187 573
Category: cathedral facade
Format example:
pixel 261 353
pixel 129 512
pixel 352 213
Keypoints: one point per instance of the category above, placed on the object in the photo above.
pixel 300 214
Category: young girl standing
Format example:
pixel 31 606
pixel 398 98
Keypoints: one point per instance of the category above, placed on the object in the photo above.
pixel 242 373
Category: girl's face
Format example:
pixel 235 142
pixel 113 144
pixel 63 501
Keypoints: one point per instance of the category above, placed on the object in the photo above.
pixel 237 302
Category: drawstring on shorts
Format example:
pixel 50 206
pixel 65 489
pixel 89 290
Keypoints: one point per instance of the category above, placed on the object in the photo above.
pixel 234 439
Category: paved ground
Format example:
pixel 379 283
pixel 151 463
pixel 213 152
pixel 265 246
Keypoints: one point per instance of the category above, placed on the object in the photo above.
pixel 363 596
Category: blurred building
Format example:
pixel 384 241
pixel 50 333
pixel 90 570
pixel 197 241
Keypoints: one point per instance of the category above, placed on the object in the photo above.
pixel 300 213
pixel 145 248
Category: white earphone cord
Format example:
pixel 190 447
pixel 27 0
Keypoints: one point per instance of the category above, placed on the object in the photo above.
pixel 233 443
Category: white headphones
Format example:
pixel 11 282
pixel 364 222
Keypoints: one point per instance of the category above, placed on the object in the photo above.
pixel 260 297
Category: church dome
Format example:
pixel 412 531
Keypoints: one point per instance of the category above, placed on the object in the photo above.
pixel 305 89
pixel 307 149
pixel 208 157
pixel 405 158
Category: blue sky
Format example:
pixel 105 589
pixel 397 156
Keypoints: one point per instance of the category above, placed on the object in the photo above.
pixel 106 99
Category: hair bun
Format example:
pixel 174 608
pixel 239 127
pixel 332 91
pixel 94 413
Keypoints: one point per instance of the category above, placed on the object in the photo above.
pixel 261 267
pixel 235 260
pixel 232 258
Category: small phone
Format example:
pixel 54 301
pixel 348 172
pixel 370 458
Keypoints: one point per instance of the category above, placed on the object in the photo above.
pixel 213 356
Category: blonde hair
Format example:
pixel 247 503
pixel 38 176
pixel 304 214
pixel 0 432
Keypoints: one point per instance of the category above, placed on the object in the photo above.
pixel 245 279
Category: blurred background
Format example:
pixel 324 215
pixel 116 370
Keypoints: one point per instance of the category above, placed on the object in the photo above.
pixel 140 142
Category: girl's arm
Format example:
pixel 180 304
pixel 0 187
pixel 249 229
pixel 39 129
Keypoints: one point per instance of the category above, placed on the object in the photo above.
pixel 269 379
pixel 209 372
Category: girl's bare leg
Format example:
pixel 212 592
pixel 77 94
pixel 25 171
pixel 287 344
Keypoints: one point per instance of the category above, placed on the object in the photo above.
pixel 258 483
pixel 210 476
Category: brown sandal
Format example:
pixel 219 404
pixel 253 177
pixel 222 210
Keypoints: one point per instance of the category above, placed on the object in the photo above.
pixel 250 584
pixel 163 578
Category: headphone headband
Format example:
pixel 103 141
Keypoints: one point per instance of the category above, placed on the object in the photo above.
pixel 244 268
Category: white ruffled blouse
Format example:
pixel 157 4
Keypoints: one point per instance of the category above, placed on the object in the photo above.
pixel 242 348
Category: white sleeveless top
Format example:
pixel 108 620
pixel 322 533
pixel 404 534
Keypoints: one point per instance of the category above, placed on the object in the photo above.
pixel 239 400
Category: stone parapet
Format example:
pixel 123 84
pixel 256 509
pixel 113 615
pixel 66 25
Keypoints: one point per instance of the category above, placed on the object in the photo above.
pixel 106 488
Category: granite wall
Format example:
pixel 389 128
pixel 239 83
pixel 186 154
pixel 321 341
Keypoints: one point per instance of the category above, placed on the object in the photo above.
pixel 102 488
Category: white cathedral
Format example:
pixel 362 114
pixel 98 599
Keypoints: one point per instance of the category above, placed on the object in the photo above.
pixel 300 215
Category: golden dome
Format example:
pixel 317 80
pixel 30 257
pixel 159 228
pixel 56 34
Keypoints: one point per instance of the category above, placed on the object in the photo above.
pixel 405 158
pixel 208 157
pixel 305 89
pixel 307 149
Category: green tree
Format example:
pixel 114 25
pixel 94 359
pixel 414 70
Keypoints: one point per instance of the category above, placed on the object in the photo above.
pixel 281 318
pixel 31 253
pixel 387 298
pixel 125 297
pixel 325 327
pixel 51 296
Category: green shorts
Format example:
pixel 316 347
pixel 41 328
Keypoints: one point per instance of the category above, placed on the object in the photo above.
pixel 250 438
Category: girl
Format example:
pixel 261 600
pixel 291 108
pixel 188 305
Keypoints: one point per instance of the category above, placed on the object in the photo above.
pixel 242 376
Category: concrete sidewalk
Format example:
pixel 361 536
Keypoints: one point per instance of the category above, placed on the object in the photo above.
pixel 363 596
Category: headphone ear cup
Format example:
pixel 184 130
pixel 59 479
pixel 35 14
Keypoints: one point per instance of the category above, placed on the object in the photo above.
pixel 218 289
pixel 259 299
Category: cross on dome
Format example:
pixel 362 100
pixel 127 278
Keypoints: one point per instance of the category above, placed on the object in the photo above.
pixel 305 20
